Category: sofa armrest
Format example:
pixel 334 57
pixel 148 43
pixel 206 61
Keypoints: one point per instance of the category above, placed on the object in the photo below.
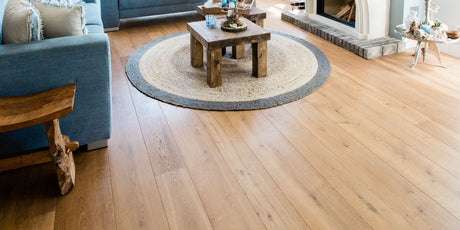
pixel 66 58
pixel 28 68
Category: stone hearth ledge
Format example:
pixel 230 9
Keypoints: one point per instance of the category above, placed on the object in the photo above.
pixel 367 49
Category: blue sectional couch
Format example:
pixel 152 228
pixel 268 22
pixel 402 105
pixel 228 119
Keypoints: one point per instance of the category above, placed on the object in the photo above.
pixel 27 68
pixel 114 10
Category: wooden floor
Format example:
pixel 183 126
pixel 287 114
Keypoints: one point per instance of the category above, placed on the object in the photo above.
pixel 377 147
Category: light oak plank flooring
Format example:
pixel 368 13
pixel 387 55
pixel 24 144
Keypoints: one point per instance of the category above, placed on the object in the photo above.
pixel 377 147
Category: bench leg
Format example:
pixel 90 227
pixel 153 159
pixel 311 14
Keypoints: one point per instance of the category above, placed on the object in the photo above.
pixel 61 153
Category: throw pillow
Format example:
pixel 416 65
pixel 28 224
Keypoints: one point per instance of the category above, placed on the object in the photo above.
pixel 62 17
pixel 21 22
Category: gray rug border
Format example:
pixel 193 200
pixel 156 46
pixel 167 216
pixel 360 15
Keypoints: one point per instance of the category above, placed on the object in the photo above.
pixel 135 77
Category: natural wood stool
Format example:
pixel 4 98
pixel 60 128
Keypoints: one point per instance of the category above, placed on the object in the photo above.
pixel 46 108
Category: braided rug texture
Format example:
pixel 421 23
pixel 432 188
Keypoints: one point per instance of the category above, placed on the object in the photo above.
pixel 161 69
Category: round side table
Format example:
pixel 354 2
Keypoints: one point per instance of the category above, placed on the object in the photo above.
pixel 427 44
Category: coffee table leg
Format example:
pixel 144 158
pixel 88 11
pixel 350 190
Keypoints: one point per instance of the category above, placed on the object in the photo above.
pixel 196 52
pixel 259 22
pixel 238 51
pixel 214 64
pixel 259 59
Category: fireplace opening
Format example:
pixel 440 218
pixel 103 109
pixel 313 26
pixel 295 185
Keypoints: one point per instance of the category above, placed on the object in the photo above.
pixel 343 11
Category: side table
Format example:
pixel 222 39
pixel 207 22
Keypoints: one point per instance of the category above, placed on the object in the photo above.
pixel 427 44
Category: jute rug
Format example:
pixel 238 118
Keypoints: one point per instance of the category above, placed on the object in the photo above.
pixel 161 69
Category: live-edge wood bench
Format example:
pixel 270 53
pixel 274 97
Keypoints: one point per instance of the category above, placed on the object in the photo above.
pixel 46 107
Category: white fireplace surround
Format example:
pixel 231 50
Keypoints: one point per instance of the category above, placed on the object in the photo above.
pixel 372 18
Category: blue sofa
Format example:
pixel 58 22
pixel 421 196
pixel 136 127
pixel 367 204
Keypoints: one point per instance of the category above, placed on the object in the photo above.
pixel 27 68
pixel 114 10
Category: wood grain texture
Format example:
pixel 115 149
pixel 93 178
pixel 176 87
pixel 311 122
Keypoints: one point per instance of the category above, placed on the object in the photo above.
pixel 216 38
pixel 238 51
pixel 25 160
pixel 224 200
pixel 182 203
pixel 259 59
pixel 214 67
pixel 90 205
pixel 273 207
pixel 375 148
pixel 139 205
pixel 196 52
pixel 25 111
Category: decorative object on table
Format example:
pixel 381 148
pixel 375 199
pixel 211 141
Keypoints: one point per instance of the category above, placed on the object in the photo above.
pixel 413 27
pixel 419 33
pixel 217 6
pixel 432 10
pixel 411 19
pixel 432 29
pixel 452 34
pixel 166 81
pixel 438 30
pixel 211 21
pixel 233 23
pixel 400 28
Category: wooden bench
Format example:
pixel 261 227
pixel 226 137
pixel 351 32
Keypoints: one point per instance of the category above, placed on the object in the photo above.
pixel 42 108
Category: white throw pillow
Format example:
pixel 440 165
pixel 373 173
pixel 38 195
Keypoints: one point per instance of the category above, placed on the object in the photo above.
pixel 61 18
pixel 21 22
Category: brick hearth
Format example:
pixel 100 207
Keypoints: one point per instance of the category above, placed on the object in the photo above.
pixel 365 48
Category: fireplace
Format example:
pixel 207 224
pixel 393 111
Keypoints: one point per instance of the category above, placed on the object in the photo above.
pixel 343 11
pixel 360 26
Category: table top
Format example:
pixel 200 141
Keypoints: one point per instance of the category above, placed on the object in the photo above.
pixel 216 38
pixel 254 14
pixel 443 41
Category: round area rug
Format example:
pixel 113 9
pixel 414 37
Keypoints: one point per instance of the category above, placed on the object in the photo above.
pixel 161 69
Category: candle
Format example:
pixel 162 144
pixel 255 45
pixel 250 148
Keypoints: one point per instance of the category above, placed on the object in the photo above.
pixel 229 13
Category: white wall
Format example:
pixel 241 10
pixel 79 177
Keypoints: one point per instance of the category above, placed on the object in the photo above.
pixel 449 14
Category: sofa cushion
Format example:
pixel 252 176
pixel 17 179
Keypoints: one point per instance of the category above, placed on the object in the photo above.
pixel 61 19
pixel 2 11
pixel 92 14
pixel 92 29
pixel 21 22
pixel 133 4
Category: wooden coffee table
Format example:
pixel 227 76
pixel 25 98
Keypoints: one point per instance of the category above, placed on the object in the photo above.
pixel 255 15
pixel 216 39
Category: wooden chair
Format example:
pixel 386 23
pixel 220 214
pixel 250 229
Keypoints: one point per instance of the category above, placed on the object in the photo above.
pixel 46 107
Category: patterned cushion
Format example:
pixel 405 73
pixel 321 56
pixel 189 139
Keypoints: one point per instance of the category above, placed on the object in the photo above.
pixel 21 22
pixel 62 17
